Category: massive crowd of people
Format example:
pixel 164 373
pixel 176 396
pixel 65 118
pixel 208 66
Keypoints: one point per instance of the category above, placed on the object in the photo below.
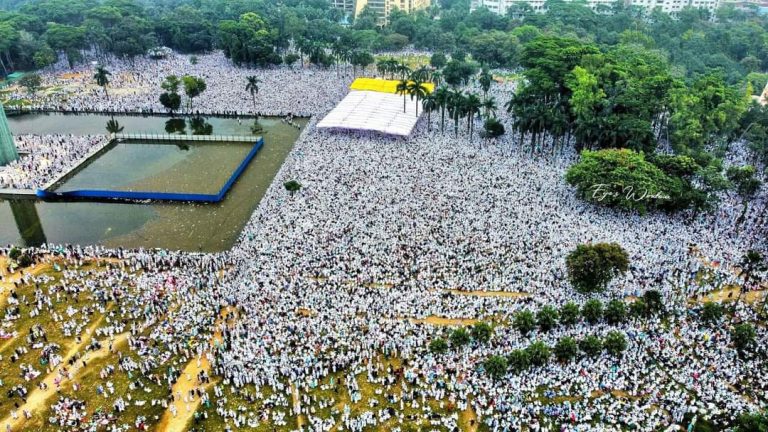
pixel 45 158
pixel 379 235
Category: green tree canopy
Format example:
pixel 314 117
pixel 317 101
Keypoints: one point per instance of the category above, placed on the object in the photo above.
pixel 592 266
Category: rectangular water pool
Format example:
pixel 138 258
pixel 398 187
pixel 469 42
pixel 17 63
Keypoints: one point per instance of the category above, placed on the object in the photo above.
pixel 169 167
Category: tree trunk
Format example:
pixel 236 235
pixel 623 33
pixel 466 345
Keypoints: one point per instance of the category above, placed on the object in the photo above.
pixel 442 120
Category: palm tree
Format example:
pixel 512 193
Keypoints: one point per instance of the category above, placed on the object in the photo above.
pixel 421 74
pixel 456 101
pixel 252 87
pixel 429 103
pixel 382 66
pixel 489 105
pixel 102 78
pixel 392 66
pixel 485 79
pixel 402 88
pixel 437 78
pixel 442 96
pixel 417 89
pixel 403 70
pixel 472 105
pixel 114 127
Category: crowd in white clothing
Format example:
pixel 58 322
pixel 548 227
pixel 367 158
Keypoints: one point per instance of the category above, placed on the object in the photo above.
pixel 45 158
pixel 379 235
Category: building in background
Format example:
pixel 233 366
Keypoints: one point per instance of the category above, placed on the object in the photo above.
pixel 382 7
pixel 668 6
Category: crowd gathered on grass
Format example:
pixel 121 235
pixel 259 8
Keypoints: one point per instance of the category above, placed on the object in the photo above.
pixel 472 276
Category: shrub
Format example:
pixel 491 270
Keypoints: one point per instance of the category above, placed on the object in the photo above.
pixel 654 302
pixel 638 308
pixel 591 346
pixel 711 312
pixel 592 311
pixel 14 254
pixel 615 312
pixel 519 360
pixel 566 349
pixel 547 318
pixel 569 314
pixel 524 322
pixel 495 366
pixel 743 336
pixel 481 332
pixel 615 343
pixel 25 260
pixel 438 346
pixel 493 128
pixel 460 337
pixel 538 353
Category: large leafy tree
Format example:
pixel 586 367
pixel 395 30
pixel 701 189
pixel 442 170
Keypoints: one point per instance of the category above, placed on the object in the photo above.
pixel 624 179
pixel 592 266
pixel 193 87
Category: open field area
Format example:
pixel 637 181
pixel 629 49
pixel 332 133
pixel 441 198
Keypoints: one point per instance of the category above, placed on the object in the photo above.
pixel 466 216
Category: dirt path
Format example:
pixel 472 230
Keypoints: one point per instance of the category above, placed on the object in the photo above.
pixel 505 294
pixel 468 421
pixel 731 293
pixel 8 285
pixel 442 321
pixel 187 382
pixel 36 400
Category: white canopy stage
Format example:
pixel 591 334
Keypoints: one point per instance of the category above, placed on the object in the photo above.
pixel 373 111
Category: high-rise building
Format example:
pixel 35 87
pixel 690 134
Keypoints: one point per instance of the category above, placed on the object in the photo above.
pixel 8 152
pixel 382 7
pixel 668 6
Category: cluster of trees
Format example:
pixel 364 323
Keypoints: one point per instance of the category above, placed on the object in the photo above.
pixel 34 33
pixel 620 96
pixel 480 332
pixel 593 311
pixel 630 180
pixel 565 350
pixel 170 98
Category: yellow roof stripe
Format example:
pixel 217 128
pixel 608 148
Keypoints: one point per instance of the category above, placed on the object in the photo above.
pixel 382 85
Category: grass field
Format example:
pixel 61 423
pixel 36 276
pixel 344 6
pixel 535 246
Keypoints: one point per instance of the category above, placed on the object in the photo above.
pixel 101 370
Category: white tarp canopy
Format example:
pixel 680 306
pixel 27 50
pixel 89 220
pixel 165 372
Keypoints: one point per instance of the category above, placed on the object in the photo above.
pixel 373 111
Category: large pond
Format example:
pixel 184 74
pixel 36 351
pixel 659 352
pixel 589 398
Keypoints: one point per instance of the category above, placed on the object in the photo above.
pixel 183 226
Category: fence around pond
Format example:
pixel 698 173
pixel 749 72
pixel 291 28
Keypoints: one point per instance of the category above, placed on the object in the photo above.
pixel 100 194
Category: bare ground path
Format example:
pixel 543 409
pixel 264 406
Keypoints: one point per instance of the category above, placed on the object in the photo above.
pixel 187 382
pixel 38 398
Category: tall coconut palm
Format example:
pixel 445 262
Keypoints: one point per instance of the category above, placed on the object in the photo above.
pixel 402 88
pixel 442 95
pixel 472 105
pixel 403 70
pixel 253 88
pixel 102 78
pixel 382 67
pixel 485 79
pixel 429 103
pixel 456 102
pixel 489 105
pixel 417 89
pixel 421 74
pixel 437 78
